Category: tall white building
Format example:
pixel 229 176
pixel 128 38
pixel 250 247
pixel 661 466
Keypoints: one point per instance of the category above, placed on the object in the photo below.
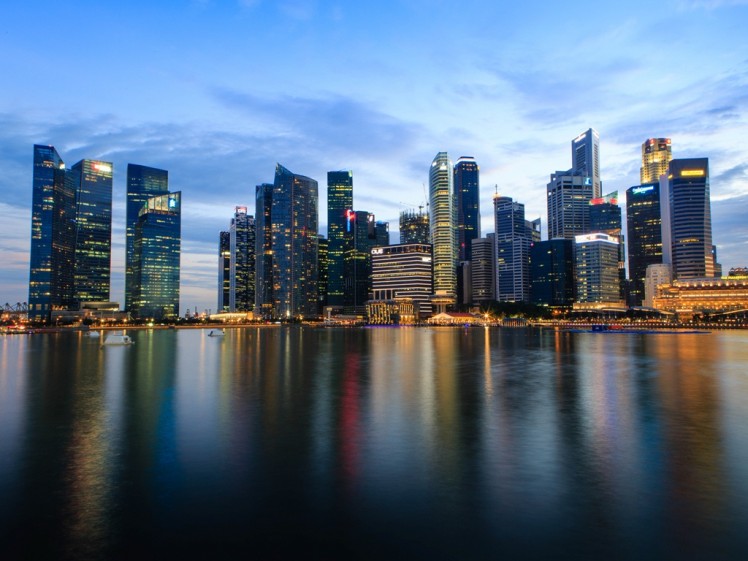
pixel 442 223
pixel 585 158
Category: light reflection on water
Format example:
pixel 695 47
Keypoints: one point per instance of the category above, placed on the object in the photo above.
pixel 375 442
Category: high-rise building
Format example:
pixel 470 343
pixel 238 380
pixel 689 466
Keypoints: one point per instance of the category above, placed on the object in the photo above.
pixel 442 219
pixel 224 272
pixel 644 239
pixel 339 204
pixel 264 250
pixel 482 270
pixel 512 251
pixel 552 273
pixel 605 217
pixel 143 182
pixel 467 195
pixel 532 228
pixel 690 218
pixel 294 218
pixel 403 271
pixel 92 182
pixel 568 201
pixel 382 233
pixel 596 269
pixel 357 286
pixel 242 276
pixel 585 158
pixel 323 265
pixel 657 275
pixel 52 236
pixel 157 250
pixel 414 227
pixel 656 156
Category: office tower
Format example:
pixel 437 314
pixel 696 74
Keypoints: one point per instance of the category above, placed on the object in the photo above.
pixel 568 205
pixel 596 269
pixel 644 239
pixel 143 182
pixel 339 203
pixel 690 218
pixel 403 271
pixel 293 218
pixel 467 195
pixel 656 275
pixel 224 272
pixel 482 270
pixel 442 225
pixel 157 249
pixel 323 264
pixel 382 233
pixel 605 217
pixel 585 158
pixel 92 182
pixel 263 250
pixel 532 228
pixel 414 227
pixel 52 236
pixel 656 156
pixel 357 271
pixel 512 251
pixel 242 276
pixel 552 273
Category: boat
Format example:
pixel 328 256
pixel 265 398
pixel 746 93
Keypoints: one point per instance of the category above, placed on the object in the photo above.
pixel 216 333
pixel 118 339
pixel 93 334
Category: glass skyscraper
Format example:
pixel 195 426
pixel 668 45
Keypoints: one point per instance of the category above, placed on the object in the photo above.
pixel 467 194
pixel 552 273
pixel 339 204
pixel 512 247
pixel 224 272
pixel 264 250
pixel 644 228
pixel 156 262
pixel 569 196
pixel 294 216
pixel 357 272
pixel 596 271
pixel 143 182
pixel 242 273
pixel 585 158
pixel 442 222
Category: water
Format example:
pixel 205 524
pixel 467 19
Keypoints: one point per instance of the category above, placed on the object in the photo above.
pixel 441 443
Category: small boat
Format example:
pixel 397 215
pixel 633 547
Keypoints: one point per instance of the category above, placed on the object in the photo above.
pixel 118 339
pixel 93 334
pixel 216 333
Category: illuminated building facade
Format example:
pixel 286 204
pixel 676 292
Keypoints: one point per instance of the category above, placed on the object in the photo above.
pixel 442 220
pixel 357 271
pixel 143 182
pixel 414 227
pixel 596 268
pixel 658 274
pixel 156 264
pixel 656 156
pixel 705 295
pixel 263 250
pixel 242 274
pixel 568 202
pixel 552 273
pixel 512 249
pixel 467 194
pixel 339 202
pixel 52 236
pixel 482 279
pixel 224 272
pixel 690 218
pixel 605 217
pixel 403 271
pixel 644 228
pixel 585 159
pixel 323 264
pixel 293 218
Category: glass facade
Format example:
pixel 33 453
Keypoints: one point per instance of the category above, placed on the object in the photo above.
pixel 596 268
pixel 403 271
pixel 157 249
pixel 552 273
pixel 656 156
pixel 467 193
pixel 224 272
pixel 442 222
pixel 143 182
pixel 482 270
pixel 512 247
pixel 263 250
pixel 339 203
pixel 242 273
pixel 323 264
pixel 644 240
pixel 357 272
pixel 585 158
pixel 569 197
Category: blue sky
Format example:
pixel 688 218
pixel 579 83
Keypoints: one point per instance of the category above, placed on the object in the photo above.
pixel 217 92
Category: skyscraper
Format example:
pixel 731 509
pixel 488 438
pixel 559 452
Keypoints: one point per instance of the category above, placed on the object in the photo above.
pixel 242 275
pixel 596 259
pixel 264 250
pixel 690 218
pixel 403 271
pixel 482 270
pixel 357 286
pixel 552 273
pixel 92 182
pixel 568 201
pixel 605 217
pixel 512 251
pixel 142 183
pixel 224 272
pixel 414 227
pixel 339 202
pixel 323 264
pixel 644 229
pixel 382 233
pixel 442 225
pixel 656 156
pixel 52 236
pixel 467 195
pixel 294 216
pixel 156 263
pixel 585 158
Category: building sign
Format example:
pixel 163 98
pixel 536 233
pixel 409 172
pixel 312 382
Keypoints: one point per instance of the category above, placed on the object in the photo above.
pixel 641 190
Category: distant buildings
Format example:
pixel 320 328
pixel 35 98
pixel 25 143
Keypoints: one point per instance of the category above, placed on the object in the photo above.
pixel 482 270
pixel 585 159
pixel 512 251
pixel 414 227
pixel 224 273
pixel 339 204
pixel 552 273
pixel 442 222
pixel 242 234
pixel 467 202
pixel 656 156
pixel 264 288
pixel 568 202
pixel 644 227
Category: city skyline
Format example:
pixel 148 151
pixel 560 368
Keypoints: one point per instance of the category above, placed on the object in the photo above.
pixel 218 114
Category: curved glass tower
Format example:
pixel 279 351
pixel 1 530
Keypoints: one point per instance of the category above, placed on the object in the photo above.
pixel 442 220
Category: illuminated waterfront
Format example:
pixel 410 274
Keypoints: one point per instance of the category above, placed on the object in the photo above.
pixel 383 443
